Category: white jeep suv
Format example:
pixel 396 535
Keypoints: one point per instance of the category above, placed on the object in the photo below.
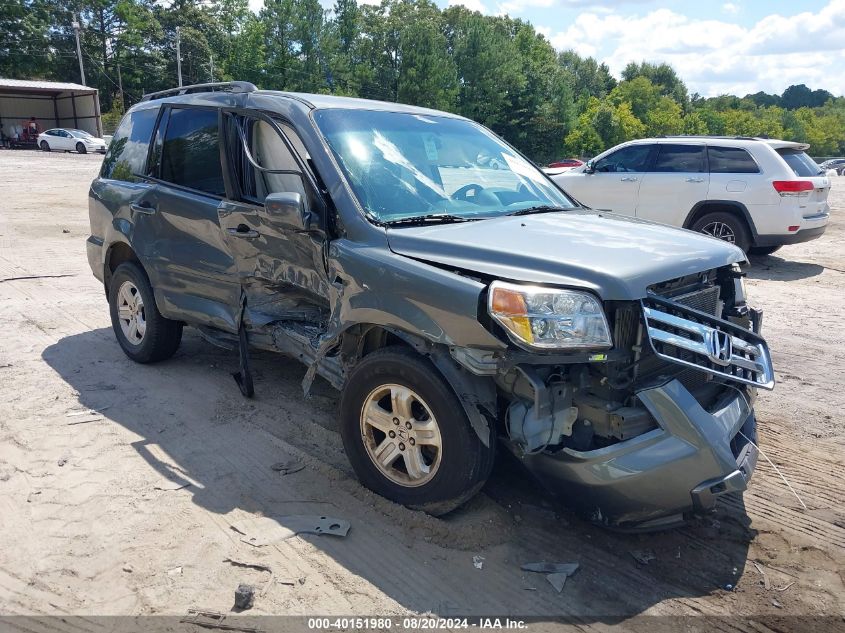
pixel 756 193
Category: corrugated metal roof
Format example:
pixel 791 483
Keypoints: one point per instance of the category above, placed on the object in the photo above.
pixel 43 86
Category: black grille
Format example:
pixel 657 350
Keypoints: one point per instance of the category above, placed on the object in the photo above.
pixel 706 300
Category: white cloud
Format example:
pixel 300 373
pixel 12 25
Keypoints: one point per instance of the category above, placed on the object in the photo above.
pixel 731 8
pixel 715 56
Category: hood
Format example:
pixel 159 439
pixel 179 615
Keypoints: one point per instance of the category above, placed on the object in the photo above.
pixel 615 256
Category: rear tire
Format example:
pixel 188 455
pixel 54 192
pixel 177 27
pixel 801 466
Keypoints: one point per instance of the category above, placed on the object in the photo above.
pixel 45 146
pixel 144 335
pixel 724 226
pixel 433 461
pixel 80 148
pixel 762 251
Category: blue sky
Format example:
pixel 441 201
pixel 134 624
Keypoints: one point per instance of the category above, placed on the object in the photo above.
pixel 717 47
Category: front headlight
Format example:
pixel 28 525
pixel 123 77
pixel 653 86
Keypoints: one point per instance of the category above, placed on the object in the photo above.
pixel 548 318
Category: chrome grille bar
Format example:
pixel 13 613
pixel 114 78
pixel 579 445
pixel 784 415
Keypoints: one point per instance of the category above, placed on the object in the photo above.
pixel 692 338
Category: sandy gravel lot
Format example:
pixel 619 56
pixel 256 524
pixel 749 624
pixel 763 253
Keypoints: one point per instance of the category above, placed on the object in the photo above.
pixel 131 513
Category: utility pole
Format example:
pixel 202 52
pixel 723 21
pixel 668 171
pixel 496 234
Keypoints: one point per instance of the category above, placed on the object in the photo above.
pixel 178 58
pixel 211 67
pixel 120 84
pixel 76 27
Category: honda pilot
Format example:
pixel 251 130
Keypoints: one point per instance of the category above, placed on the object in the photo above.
pixel 458 308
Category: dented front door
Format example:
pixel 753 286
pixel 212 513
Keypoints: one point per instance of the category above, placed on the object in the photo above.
pixel 282 272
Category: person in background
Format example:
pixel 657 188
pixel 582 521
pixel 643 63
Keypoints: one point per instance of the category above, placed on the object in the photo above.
pixel 32 128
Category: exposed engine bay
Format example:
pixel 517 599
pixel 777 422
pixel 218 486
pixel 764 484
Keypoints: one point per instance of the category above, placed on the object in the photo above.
pixel 696 329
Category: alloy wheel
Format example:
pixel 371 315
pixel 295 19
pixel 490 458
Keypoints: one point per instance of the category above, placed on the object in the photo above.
pixel 401 436
pixel 130 312
pixel 721 231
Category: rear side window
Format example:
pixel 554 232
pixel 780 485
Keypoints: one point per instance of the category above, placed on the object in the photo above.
pixel 799 162
pixel 627 159
pixel 731 160
pixel 126 158
pixel 190 155
pixel 688 159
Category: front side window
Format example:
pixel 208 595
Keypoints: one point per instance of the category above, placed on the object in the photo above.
pixel 403 165
pixel 633 158
pixel 801 164
pixel 687 159
pixel 731 160
pixel 257 154
pixel 190 155
pixel 126 158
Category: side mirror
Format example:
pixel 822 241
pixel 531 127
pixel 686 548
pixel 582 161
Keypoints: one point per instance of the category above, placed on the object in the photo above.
pixel 590 167
pixel 287 210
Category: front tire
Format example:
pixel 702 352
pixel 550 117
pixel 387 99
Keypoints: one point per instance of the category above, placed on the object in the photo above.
pixel 45 146
pixel 407 436
pixel 724 226
pixel 80 148
pixel 144 335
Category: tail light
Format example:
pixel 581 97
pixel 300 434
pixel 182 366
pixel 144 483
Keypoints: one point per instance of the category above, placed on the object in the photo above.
pixel 793 187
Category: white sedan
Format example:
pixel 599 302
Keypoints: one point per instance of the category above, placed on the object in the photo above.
pixel 70 140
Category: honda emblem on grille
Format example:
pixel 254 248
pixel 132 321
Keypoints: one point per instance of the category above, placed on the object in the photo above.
pixel 720 347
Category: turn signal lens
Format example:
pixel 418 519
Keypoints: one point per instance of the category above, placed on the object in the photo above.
pixel 549 318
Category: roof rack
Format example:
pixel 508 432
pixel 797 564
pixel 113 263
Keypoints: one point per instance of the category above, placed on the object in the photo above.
pixel 735 138
pixel 228 86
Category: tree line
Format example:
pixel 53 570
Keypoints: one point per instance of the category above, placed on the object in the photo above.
pixel 494 69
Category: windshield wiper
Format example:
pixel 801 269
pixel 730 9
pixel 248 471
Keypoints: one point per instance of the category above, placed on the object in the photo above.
pixel 433 218
pixel 541 208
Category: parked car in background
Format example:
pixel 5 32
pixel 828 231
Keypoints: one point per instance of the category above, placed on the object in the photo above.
pixel 566 162
pixel 70 140
pixel 837 164
pixel 758 194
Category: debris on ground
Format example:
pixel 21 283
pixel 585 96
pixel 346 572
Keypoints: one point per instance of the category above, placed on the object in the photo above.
pixel 478 562
pixel 643 556
pixel 262 531
pixel 557 581
pixel 94 418
pixel 214 620
pixel 244 597
pixel 128 569
pixel 172 487
pixel 176 571
pixel 551 568
pixel 257 567
pixel 784 588
pixel 62 461
pixel 556 573
pixel 767 584
pixel 776 604
pixel 73 414
pixel 288 468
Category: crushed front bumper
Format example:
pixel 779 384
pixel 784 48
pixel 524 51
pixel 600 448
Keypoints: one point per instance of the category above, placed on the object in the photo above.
pixel 658 479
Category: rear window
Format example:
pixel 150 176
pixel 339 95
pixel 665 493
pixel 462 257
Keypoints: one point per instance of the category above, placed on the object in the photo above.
pixel 190 155
pixel 126 158
pixel 799 162
pixel 731 160
pixel 688 159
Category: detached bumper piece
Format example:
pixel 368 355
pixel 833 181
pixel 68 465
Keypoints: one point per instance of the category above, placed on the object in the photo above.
pixel 656 480
pixel 691 338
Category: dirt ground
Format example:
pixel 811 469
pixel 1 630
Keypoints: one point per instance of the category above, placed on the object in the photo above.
pixel 131 513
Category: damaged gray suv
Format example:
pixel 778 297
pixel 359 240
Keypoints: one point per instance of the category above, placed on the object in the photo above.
pixel 454 295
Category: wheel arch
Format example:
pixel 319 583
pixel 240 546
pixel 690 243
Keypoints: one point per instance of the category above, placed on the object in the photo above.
pixel 726 206
pixel 477 394
pixel 117 253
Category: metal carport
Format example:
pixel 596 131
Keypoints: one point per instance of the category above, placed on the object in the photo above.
pixel 53 104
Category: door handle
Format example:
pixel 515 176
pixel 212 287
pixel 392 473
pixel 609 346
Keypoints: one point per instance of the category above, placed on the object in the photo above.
pixel 146 209
pixel 628 179
pixel 695 179
pixel 243 231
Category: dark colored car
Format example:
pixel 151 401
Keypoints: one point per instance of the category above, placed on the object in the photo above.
pixel 835 163
pixel 566 162
pixel 456 308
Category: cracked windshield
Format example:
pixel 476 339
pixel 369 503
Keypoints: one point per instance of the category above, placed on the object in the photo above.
pixel 408 166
